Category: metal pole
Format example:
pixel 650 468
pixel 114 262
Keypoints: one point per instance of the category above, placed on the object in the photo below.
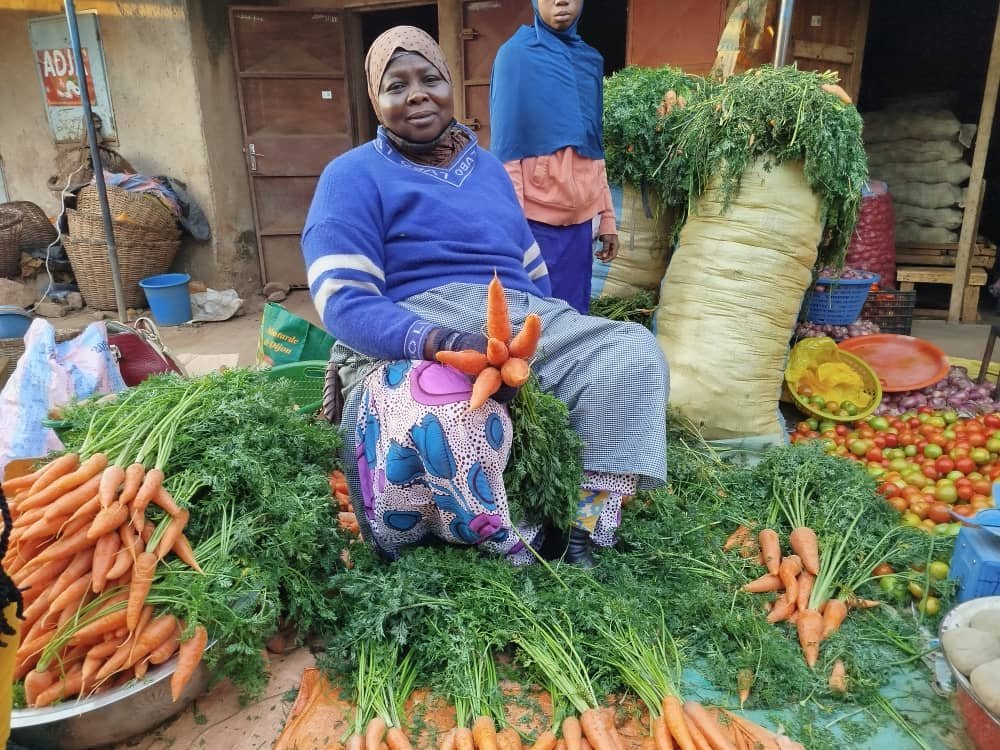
pixel 95 157
pixel 784 32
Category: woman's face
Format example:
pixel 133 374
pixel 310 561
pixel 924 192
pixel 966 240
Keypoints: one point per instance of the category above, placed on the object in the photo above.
pixel 559 14
pixel 415 99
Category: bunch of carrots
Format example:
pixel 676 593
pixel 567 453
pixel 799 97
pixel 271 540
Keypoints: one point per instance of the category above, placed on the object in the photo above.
pixel 506 361
pixel 85 555
pixel 346 518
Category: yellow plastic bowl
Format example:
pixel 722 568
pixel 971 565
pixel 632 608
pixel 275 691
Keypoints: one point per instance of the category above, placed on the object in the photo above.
pixel 871 387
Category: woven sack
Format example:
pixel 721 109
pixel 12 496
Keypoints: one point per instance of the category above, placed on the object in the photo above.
pixel 136 261
pixel 730 299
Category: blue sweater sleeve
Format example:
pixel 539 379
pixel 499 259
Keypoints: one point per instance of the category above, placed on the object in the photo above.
pixel 344 254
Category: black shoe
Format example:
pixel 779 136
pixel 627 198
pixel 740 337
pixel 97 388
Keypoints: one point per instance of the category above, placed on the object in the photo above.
pixel 579 548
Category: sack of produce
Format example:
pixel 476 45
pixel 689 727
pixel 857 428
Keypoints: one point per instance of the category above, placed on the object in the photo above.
pixel 645 228
pixel 286 338
pixel 777 172
pixel 873 242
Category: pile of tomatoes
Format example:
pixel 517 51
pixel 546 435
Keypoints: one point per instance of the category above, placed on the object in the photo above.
pixel 929 464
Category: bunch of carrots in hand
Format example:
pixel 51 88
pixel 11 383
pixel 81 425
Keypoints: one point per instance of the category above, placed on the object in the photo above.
pixel 506 361
pixel 85 556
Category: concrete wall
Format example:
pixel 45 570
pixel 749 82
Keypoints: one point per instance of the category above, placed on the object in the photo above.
pixel 174 107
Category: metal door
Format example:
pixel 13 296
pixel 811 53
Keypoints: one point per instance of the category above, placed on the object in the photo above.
pixel 486 24
pixel 296 113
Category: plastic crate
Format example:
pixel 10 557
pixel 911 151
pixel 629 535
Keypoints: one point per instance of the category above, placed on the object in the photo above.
pixel 891 311
pixel 838 302
pixel 975 563
pixel 308 379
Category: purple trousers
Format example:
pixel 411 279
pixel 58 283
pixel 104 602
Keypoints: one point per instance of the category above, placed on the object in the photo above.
pixel 569 254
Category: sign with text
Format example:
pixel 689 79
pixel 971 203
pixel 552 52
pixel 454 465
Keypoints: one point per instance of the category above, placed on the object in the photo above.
pixel 59 78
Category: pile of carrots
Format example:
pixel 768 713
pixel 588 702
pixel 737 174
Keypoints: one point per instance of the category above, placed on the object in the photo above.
pixel 506 361
pixel 85 555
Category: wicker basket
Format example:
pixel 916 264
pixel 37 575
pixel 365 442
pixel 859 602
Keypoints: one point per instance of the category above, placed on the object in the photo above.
pixel 139 209
pixel 10 241
pixel 90 228
pixel 36 229
pixel 136 261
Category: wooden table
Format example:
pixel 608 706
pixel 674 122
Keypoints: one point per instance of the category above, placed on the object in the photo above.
pixel 907 276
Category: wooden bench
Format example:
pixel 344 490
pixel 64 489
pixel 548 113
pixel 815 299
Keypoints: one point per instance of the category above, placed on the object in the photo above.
pixel 907 276
pixel 916 254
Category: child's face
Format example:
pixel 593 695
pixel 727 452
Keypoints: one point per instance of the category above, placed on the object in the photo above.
pixel 559 14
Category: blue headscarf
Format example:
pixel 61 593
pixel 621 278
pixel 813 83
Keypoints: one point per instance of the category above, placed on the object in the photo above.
pixel 546 94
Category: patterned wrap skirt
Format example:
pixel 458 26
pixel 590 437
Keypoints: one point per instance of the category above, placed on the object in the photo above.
pixel 421 468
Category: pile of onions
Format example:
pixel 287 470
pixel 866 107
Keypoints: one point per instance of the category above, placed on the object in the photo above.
pixel 837 333
pixel 957 392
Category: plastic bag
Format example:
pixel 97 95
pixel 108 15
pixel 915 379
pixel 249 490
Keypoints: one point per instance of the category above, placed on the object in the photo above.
pixel 730 299
pixel 873 243
pixel 286 338
pixel 49 375
pixel 816 363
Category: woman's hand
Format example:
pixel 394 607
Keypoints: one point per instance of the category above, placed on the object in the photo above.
pixel 610 250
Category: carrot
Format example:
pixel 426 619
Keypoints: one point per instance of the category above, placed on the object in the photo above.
pixel 515 372
pixel 673 715
pixel 116 661
pixel 744 681
pixel 484 733
pixel 58 468
pixel 96 656
pixel 72 594
pixel 447 741
pixel 171 535
pixel 68 686
pixel 837 683
pixel 837 91
pixel 106 622
pixel 788 571
pixel 356 742
pixel 43 575
pixel 124 559
pixel 546 740
pixel 700 742
pixel 572 733
pixel 104 557
pixel 463 739
pixel 486 384
pixel 108 520
pixel 806 581
pixel 833 616
pixel 524 344
pixel 142 580
pixel 374 733
pixel 151 484
pixel 79 565
pixel 144 619
pixel 153 635
pixel 88 469
pixel 42 528
pixel 509 739
pixel 166 649
pixel 781 610
pixel 182 548
pixel 73 499
pixel 84 514
pixel 805 545
pixel 854 602
pixel 594 727
pixel 810 630
pixel 765 583
pixel 395 739
pixel 560 744
pixel 496 352
pixel 770 549
pixel 497 316
pixel 134 475
pixel 467 361
pixel 11 487
pixel 68 545
pixel 737 538
pixel 112 477
pixel 609 724
pixel 708 726
pixel 661 735
pixel 189 657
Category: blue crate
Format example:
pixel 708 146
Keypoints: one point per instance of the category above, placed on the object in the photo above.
pixel 840 301
pixel 975 564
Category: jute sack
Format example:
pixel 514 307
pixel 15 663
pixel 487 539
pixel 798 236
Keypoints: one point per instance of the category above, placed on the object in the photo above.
pixel 644 233
pixel 730 299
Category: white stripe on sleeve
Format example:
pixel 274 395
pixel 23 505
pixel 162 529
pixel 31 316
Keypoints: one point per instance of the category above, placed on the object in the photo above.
pixel 331 286
pixel 531 253
pixel 345 262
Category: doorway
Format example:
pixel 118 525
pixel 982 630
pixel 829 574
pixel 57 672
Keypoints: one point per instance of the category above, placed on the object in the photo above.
pixel 604 26
pixel 374 23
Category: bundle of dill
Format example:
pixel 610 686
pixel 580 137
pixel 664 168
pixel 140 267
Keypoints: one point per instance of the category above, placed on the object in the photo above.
pixel 777 115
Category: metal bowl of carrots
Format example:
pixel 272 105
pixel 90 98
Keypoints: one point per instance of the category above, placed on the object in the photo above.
pixel 109 717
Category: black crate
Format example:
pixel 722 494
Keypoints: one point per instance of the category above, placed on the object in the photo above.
pixel 891 310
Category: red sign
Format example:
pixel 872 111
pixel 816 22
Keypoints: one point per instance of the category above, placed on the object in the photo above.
pixel 62 85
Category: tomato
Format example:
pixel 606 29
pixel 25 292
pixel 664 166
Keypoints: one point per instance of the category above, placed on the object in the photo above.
pixel 914 422
pixel 888 489
pixel 965 492
pixel 938 570
pixel 892 440
pixel 919 480
pixel 842 429
pixel 946 494
pixel 889 583
pixel 858 447
pixel 874 454
pixel 983 487
pixel 950 417
pixel 928 525
pixel 992 421
pixel 936 421
pixel 977 439
pixel 879 441
pixel 980 456
pixel 899 504
pixel 911 519
pixel 995 473
pixel 981 504
pixel 944 465
pixel 879 423
pixel 910 450
pixel 883 569
pixel 930 472
pixel 866 432
pixel 932 451
pixel 965 465
pixel 826 424
pixel 916 590
pixel 930 606
pixel 919 509
pixel 963 510
pixel 938 513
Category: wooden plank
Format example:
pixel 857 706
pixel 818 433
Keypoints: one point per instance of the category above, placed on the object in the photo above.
pixel 951 246
pixel 836 53
pixel 978 261
pixel 931 275
pixel 973 202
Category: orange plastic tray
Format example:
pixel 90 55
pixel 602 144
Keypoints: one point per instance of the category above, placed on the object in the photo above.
pixel 902 363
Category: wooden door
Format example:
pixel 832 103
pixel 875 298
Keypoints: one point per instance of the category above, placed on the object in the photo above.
pixel 296 113
pixel 830 35
pixel 486 24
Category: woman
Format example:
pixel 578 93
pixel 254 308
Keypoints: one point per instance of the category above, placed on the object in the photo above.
pixel 403 236
pixel 546 103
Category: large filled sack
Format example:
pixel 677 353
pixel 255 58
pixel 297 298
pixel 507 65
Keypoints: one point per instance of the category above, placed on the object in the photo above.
pixel 891 125
pixel 645 228
pixel 873 242
pixel 730 298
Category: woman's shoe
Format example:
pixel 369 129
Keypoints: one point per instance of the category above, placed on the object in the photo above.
pixel 579 548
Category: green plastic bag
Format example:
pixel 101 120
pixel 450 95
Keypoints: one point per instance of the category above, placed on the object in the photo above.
pixel 286 338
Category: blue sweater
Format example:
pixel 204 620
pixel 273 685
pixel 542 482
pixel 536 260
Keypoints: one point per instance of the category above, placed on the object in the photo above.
pixel 382 229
